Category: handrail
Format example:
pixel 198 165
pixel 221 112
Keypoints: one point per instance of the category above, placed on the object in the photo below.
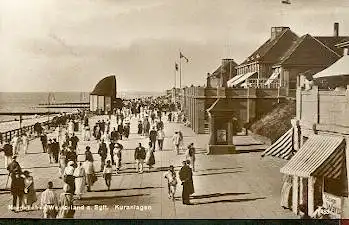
pixel 7 135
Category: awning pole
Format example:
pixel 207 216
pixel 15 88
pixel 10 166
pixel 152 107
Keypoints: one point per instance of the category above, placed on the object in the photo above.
pixel 295 188
pixel 311 182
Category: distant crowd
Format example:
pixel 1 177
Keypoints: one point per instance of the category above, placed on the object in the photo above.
pixel 61 145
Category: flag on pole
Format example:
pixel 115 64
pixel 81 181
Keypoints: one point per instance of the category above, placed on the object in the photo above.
pixel 176 66
pixel 182 56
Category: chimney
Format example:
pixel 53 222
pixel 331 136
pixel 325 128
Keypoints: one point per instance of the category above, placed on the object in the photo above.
pixel 275 31
pixel 225 61
pixel 208 81
pixel 336 30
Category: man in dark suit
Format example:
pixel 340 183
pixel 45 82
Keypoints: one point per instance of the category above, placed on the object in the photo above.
pixel 114 135
pixel 186 176
pixel 55 150
pixel 102 151
pixel 111 147
pixel 152 137
pixel 139 157
pixel 43 139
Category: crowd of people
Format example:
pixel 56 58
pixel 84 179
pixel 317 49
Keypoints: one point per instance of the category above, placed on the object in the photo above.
pixel 79 176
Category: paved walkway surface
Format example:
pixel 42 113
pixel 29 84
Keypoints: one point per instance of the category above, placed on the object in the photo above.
pixel 226 186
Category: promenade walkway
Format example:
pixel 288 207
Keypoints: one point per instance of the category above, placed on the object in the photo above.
pixel 226 186
pixel 12 125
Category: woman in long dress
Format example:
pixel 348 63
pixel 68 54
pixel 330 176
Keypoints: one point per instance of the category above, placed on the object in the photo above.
pixel 70 127
pixel 118 153
pixel 65 204
pixel 149 157
pixel 286 192
pixel 90 173
pixel 87 136
pixel 25 143
pixel 29 190
pixel 62 163
pixel 68 178
pixel 80 177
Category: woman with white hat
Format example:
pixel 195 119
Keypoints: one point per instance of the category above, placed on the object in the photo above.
pixel 68 178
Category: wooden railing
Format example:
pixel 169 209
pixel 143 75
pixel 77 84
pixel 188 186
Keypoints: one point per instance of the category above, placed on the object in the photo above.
pixel 8 135
pixel 260 83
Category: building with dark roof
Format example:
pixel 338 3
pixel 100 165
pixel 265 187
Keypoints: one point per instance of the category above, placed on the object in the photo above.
pixel 258 65
pixel 222 74
pixel 279 61
pixel 307 55
pixel 103 96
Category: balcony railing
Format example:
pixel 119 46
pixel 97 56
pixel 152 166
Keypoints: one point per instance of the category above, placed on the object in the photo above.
pixel 260 83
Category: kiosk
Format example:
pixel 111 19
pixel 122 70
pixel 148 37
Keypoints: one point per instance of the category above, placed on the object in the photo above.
pixel 221 128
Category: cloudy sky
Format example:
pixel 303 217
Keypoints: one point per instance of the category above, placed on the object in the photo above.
pixel 69 45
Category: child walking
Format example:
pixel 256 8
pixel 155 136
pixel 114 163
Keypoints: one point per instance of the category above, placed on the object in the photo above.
pixel 171 178
pixel 107 172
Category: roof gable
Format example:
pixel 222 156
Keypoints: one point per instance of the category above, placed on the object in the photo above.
pixel 271 50
pixel 332 41
pixel 309 51
pixel 227 69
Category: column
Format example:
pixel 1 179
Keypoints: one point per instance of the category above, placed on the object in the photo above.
pixel 311 182
pixel 301 191
pixel 251 104
pixel 212 130
pixel 345 211
pixel 200 105
pixel 295 194
pixel 230 132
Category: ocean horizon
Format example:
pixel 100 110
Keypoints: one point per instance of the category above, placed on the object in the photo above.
pixel 11 102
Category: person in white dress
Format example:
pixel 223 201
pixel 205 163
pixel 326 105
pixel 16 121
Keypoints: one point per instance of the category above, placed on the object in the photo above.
pixel 16 144
pixel 90 173
pixel 25 143
pixel 80 177
pixel 70 127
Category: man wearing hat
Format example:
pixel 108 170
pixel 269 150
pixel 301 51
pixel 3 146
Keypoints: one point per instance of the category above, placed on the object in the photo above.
pixel 8 152
pixel 17 183
pixel 55 149
pixel 17 190
pixel 14 167
pixel 152 137
pixel 43 139
pixel 186 176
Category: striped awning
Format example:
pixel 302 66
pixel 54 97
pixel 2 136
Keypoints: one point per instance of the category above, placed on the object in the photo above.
pixel 283 147
pixel 243 78
pixel 275 74
pixel 321 155
pixel 229 82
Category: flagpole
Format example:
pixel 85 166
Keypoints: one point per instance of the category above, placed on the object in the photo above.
pixel 175 82
pixel 180 73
